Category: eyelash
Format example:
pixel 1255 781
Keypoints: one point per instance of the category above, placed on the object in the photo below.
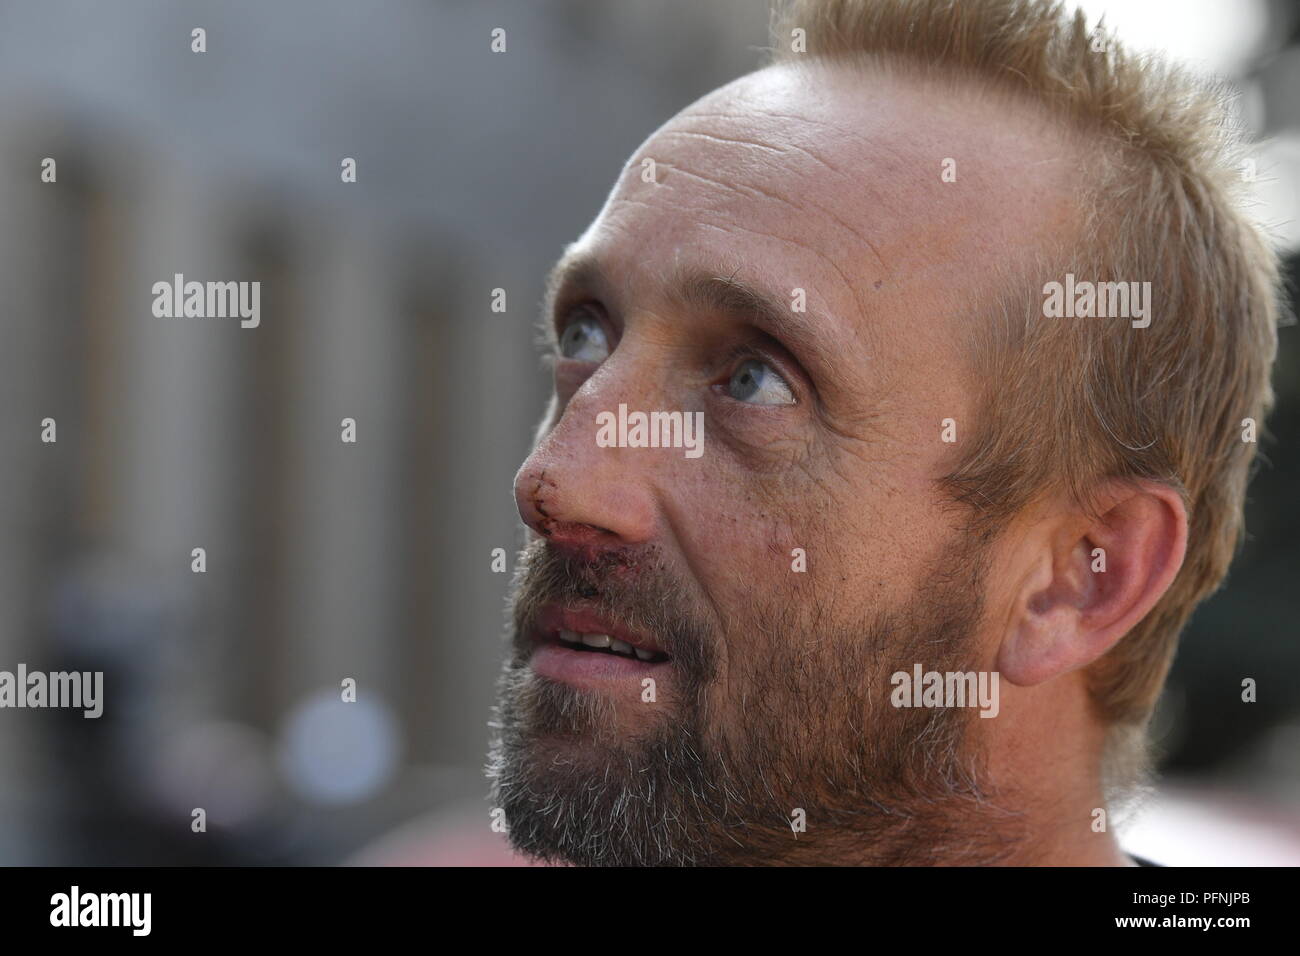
pixel 743 352
pixel 737 353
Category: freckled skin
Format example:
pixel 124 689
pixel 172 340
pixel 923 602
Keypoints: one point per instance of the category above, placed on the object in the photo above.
pixel 821 181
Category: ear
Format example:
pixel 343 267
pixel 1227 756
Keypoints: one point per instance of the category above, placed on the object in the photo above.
pixel 1067 611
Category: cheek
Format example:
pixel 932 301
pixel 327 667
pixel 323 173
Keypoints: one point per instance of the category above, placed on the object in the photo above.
pixel 756 540
pixel 830 536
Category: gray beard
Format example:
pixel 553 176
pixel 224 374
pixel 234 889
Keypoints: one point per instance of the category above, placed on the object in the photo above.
pixel 878 785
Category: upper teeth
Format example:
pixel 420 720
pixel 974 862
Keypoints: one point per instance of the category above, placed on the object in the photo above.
pixel 604 640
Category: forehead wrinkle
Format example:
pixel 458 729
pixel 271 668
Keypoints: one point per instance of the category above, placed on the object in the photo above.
pixel 876 147
pixel 783 149
pixel 803 208
pixel 728 140
pixel 845 281
pixel 789 144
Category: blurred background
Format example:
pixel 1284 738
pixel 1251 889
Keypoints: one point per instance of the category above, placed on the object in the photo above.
pixel 373 560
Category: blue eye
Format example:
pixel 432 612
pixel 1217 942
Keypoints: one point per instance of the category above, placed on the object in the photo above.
pixel 584 340
pixel 757 383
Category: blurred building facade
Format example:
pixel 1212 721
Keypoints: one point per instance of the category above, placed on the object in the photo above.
pixel 325 560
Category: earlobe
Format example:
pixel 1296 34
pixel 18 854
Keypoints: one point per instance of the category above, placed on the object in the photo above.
pixel 1093 580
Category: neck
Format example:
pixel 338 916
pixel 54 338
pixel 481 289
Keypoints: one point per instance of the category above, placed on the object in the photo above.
pixel 1029 808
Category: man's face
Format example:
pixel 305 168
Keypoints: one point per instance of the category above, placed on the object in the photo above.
pixel 795 267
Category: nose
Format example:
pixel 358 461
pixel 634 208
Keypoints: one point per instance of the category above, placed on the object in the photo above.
pixel 581 496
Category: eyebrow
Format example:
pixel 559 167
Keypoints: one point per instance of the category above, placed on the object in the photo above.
pixel 575 270
pixel 804 333
pixel 711 290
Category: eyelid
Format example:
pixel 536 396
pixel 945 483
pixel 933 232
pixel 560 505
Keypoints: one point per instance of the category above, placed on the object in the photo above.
pixel 794 380
pixel 765 349
pixel 563 310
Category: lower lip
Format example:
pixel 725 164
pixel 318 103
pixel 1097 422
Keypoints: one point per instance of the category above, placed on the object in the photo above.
pixel 591 668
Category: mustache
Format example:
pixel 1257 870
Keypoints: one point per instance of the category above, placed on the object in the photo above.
pixel 634 588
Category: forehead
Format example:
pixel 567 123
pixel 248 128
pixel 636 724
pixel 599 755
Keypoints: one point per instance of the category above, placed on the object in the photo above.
pixel 832 180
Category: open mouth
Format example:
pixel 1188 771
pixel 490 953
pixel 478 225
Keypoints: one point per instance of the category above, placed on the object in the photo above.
pixel 604 644
pixel 578 645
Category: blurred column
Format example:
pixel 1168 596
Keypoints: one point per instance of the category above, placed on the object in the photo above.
pixel 343 529
pixel 491 400
pixel 39 282
pixel 170 462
